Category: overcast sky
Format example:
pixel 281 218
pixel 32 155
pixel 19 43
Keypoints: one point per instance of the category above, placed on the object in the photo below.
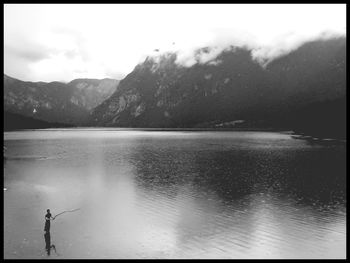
pixel 64 42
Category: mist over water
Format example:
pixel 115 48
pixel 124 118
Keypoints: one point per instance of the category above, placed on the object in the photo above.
pixel 174 194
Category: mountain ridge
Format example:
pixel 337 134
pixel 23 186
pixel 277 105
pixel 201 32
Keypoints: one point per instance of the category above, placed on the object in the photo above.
pixel 56 101
pixel 159 93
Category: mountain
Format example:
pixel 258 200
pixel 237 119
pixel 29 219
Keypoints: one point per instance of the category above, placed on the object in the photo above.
pixel 160 93
pixel 89 93
pixel 56 101
pixel 14 121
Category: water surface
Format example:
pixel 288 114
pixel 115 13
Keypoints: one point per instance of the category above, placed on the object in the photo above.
pixel 174 194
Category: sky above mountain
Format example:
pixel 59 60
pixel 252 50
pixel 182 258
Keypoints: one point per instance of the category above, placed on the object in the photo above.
pixel 47 42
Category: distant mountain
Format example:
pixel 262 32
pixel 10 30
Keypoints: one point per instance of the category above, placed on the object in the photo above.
pixel 89 93
pixel 160 93
pixel 14 121
pixel 56 101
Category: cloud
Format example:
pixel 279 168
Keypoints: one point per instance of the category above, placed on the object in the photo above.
pixel 29 50
pixel 50 42
pixel 262 53
pixel 20 57
pixel 269 31
pixel 292 41
pixel 188 58
pixel 72 53
pixel 28 54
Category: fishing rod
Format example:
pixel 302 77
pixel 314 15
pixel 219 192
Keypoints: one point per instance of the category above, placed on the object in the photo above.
pixel 66 212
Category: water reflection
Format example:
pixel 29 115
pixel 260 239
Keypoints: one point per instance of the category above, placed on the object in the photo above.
pixel 178 195
pixel 260 201
pixel 309 175
pixel 48 246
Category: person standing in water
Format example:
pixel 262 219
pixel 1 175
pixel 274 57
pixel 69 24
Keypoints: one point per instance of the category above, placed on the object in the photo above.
pixel 48 217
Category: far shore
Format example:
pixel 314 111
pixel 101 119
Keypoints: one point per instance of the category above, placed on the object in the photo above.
pixel 295 134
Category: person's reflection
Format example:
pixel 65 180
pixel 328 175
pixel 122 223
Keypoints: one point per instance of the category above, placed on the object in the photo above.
pixel 48 246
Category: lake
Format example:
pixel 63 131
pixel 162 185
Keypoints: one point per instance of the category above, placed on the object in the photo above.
pixel 174 194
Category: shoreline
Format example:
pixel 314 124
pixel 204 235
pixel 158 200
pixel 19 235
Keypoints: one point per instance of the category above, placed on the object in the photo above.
pixel 295 134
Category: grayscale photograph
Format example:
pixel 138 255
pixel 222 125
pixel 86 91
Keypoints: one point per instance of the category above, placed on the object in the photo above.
pixel 174 131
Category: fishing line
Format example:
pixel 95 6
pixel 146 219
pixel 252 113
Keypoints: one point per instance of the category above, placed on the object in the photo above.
pixel 66 212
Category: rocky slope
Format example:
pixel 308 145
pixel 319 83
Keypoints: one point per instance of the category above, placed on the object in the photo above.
pixel 89 93
pixel 160 93
pixel 56 101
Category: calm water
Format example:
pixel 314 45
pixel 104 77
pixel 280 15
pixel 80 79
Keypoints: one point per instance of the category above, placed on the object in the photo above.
pixel 174 194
